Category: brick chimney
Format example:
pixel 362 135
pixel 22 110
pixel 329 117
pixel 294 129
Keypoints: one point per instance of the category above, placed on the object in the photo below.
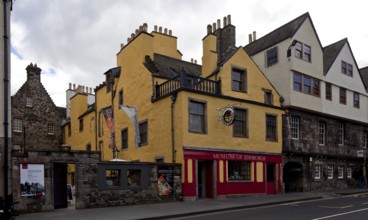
pixel 33 72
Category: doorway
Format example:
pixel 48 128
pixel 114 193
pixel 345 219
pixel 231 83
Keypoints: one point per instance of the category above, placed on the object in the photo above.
pixel 293 177
pixel 205 179
pixel 271 177
pixel 60 187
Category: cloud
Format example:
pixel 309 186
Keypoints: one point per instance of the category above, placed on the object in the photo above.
pixel 77 41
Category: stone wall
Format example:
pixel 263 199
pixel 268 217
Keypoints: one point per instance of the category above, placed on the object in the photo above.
pixel 90 194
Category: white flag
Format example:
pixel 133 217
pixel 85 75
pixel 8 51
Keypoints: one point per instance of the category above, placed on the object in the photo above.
pixel 132 113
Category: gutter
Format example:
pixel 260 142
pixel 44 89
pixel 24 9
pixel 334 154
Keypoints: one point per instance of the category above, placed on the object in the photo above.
pixel 173 99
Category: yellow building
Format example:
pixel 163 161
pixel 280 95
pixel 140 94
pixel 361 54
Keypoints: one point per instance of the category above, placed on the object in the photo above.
pixel 221 120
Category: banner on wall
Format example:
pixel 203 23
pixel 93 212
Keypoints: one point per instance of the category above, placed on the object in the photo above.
pixel 165 180
pixel 32 179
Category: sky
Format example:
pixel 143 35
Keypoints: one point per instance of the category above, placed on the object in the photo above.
pixel 76 41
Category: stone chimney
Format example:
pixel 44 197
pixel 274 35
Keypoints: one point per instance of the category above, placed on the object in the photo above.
pixel 33 72
pixel 225 39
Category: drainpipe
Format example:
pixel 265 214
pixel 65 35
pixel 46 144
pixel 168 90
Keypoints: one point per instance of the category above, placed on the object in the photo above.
pixel 173 99
pixel 6 108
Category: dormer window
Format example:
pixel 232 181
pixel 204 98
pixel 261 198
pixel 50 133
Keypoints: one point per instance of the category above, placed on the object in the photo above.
pixel 239 80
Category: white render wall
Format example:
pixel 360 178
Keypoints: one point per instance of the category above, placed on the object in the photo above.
pixel 351 84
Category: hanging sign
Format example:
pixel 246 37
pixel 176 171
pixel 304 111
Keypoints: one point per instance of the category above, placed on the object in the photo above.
pixel 228 116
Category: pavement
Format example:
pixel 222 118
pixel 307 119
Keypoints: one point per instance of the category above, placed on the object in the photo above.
pixel 187 208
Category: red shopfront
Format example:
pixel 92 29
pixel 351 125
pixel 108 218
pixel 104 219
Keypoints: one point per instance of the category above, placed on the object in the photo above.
pixel 214 173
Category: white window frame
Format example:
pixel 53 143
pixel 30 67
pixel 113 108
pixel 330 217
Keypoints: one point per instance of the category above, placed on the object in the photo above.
pixel 348 172
pixel 317 171
pixel 340 172
pixel 50 129
pixel 330 170
pixel 295 122
pixel 29 102
pixel 17 125
pixel 321 133
pixel 341 130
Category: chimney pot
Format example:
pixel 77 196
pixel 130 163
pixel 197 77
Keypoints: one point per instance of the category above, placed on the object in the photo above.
pixel 155 28
pixel 229 19
pixel 170 32
pixel 254 36
pixel 191 60
pixel 129 39
pixel 132 35
pixel 209 29
pixel 73 86
pixel 121 45
pixel 195 61
pixel 219 23
pixel 225 22
pixel 70 86
pixel 145 27
pixel 140 29
pixel 214 27
pixel 136 31
pixel 250 38
pixel 160 29
pixel 165 31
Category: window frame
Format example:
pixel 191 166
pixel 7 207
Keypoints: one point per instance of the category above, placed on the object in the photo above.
pixel 242 82
pixel 349 172
pixel 317 171
pixel 233 177
pixel 328 91
pixel 341 134
pixel 50 129
pixel 244 132
pixel 356 100
pixel 17 125
pixel 271 129
pixel 202 116
pixel 272 56
pixel 330 170
pixel 306 84
pixel 121 97
pixel 342 96
pixel 340 172
pixel 303 51
pixel 322 133
pixel 295 127
pixel 268 96
pixel 143 133
pixel 365 139
pixel 29 102
pixel 124 139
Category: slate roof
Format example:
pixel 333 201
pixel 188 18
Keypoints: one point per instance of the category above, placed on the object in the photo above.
pixel 330 53
pixel 364 75
pixel 280 34
pixel 168 67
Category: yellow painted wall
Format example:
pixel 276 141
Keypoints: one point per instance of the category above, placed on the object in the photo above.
pixel 79 139
pixel 209 58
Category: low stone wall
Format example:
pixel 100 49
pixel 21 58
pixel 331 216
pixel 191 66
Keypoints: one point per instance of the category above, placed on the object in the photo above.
pixel 91 193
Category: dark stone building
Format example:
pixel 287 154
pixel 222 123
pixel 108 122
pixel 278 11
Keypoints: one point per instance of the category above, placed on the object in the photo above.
pixel 36 120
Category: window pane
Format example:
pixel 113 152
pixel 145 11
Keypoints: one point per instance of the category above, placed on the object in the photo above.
pixel 239 171
pixel 124 139
pixel 294 127
pixel 240 123
pixel 143 132
pixel 134 177
pixel 17 125
pixel 297 82
pixel 328 91
pixel 196 117
pixel 307 84
pixel 307 53
pixel 322 133
pixel 112 177
pixel 271 128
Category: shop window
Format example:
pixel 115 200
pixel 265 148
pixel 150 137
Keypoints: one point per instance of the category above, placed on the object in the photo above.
pixel 239 171
pixel 134 177
pixel 112 177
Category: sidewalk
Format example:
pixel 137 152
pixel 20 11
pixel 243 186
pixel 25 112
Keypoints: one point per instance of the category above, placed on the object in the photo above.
pixel 179 209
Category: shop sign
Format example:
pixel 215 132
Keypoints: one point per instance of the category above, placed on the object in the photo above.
pixel 225 156
pixel 228 116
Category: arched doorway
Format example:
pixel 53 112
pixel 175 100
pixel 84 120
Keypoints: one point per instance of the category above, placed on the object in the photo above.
pixel 293 177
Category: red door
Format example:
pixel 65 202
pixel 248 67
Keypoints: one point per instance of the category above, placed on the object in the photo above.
pixel 271 174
